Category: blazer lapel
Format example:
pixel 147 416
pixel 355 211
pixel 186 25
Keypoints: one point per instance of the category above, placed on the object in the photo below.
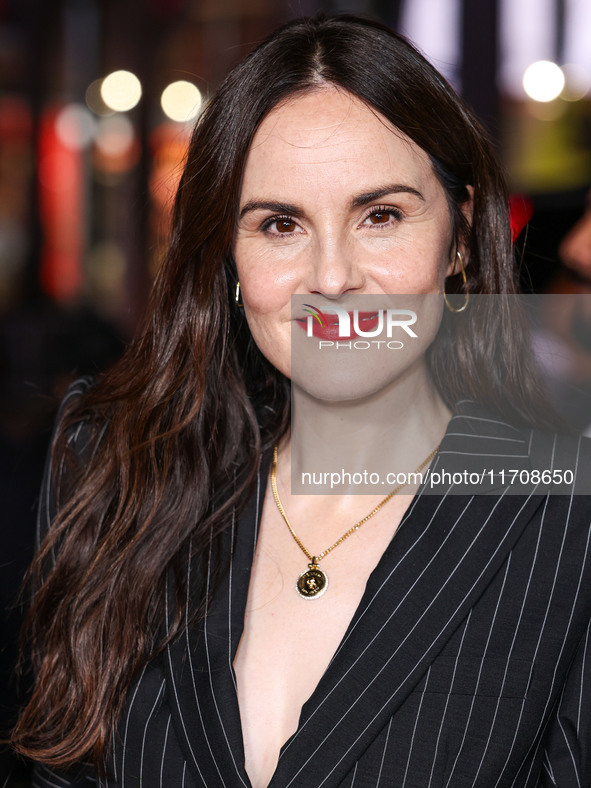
pixel 200 678
pixel 446 551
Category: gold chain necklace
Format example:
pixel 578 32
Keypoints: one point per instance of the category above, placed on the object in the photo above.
pixel 313 582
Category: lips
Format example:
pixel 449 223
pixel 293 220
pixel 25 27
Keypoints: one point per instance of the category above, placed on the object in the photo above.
pixel 329 330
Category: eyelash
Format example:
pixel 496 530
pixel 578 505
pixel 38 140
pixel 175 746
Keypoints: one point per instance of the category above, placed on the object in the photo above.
pixel 395 212
pixel 272 219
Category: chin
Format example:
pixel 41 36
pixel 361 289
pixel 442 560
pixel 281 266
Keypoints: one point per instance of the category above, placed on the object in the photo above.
pixel 343 390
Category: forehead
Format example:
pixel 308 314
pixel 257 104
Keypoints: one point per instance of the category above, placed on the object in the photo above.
pixel 329 135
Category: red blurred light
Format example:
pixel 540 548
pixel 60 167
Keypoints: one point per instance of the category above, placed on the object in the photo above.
pixel 61 192
pixel 521 210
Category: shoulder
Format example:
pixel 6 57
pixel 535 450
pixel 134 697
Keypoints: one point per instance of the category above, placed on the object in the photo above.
pixel 562 461
pixel 527 458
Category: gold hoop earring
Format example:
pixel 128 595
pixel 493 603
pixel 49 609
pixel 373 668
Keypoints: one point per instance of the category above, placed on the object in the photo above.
pixel 466 293
pixel 237 294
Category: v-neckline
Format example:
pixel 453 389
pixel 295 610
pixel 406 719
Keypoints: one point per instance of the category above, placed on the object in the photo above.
pixel 239 596
pixel 400 625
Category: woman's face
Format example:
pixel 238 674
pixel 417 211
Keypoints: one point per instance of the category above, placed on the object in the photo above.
pixel 335 204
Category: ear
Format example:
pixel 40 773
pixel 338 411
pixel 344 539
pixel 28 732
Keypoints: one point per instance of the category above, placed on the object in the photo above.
pixel 467 209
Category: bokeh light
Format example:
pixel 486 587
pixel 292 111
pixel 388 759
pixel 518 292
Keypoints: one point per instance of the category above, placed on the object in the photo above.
pixel 543 81
pixel 577 82
pixel 115 135
pixel 94 100
pixel 75 126
pixel 121 90
pixel 117 147
pixel 181 101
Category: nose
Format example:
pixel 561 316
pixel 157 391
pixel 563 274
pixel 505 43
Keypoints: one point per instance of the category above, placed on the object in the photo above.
pixel 334 268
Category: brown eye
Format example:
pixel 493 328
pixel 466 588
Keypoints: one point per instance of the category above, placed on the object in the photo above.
pixel 280 225
pixel 379 217
pixel 285 226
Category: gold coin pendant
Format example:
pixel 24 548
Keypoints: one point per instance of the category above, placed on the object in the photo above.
pixel 312 583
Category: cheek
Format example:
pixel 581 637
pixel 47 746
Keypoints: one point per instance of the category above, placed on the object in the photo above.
pixel 266 282
pixel 419 271
pixel 267 309
pixel 417 259
pixel 261 297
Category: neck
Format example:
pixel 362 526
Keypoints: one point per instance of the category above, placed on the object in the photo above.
pixel 332 443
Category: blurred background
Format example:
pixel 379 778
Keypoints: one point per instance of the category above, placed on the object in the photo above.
pixel 97 98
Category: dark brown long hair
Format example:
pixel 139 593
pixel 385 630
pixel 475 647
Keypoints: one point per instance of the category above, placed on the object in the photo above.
pixel 172 436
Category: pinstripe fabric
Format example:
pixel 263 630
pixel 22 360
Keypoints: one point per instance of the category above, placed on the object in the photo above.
pixel 467 663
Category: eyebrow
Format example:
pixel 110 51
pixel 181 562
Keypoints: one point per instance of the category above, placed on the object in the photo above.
pixel 356 202
pixel 270 205
pixel 392 188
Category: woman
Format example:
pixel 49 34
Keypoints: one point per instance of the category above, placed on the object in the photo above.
pixel 170 642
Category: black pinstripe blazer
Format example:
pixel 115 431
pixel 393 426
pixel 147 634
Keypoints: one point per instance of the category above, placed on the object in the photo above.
pixel 467 663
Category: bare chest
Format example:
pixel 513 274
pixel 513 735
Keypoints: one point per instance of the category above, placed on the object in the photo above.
pixel 287 641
